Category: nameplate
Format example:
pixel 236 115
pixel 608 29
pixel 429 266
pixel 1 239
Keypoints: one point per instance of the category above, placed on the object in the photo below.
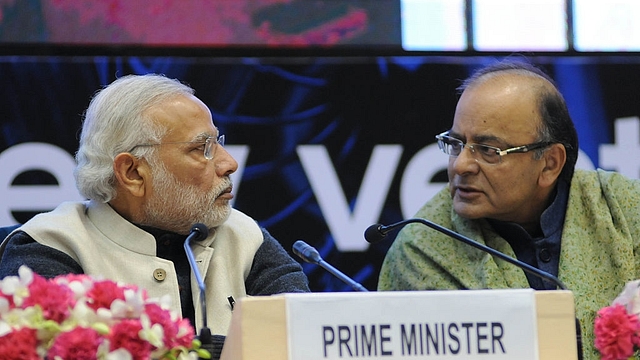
pixel 473 324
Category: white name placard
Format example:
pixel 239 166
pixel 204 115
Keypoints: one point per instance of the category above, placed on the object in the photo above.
pixel 473 324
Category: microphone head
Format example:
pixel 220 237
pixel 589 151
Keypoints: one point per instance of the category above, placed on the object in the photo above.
pixel 306 252
pixel 374 234
pixel 200 231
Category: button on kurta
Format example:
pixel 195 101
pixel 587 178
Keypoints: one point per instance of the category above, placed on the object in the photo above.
pixel 159 274
pixel 545 255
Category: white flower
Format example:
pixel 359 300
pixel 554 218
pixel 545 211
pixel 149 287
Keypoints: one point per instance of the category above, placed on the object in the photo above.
pixel 17 286
pixel 192 355
pixel 81 315
pixel 153 334
pixel 30 317
pixel 16 315
pixel 4 328
pixel 119 354
pixel 164 301
pixel 131 307
pixel 80 288
pixel 4 305
pixel 630 297
pixel 104 315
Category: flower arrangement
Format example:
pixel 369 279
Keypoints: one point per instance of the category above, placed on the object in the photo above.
pixel 617 327
pixel 81 317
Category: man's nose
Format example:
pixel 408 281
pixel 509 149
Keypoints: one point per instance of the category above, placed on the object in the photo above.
pixel 465 161
pixel 225 163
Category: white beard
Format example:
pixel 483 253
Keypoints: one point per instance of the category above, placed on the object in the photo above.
pixel 176 206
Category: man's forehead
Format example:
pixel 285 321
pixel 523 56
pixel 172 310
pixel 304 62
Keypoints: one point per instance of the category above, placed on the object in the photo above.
pixel 506 92
pixel 497 113
pixel 525 79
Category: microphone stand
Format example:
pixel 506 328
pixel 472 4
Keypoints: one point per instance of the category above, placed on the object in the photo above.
pixel 383 230
pixel 309 254
pixel 378 232
pixel 198 233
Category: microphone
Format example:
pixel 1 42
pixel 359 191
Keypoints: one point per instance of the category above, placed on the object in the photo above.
pixel 309 254
pixel 377 232
pixel 199 232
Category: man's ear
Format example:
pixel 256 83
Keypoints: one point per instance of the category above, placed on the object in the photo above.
pixel 554 157
pixel 131 173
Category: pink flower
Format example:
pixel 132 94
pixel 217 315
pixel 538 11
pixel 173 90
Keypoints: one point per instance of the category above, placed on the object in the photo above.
pixel 616 332
pixel 124 335
pixel 135 327
pixel 103 293
pixel 629 297
pixel 186 333
pixel 77 344
pixel 55 301
pixel 69 278
pixel 19 344
pixel 179 333
pixel 158 315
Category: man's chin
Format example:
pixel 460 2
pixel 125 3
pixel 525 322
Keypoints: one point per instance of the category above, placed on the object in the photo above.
pixel 219 220
pixel 468 211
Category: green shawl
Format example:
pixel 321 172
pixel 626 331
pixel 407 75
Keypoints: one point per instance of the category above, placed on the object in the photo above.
pixel 599 251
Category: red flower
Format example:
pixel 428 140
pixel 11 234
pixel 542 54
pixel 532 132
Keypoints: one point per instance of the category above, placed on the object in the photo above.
pixel 616 332
pixel 55 301
pixel 124 335
pixel 77 344
pixel 103 293
pixel 19 344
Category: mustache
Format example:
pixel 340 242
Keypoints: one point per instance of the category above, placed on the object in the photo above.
pixel 223 186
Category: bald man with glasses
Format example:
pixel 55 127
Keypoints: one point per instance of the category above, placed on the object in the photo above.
pixel 512 186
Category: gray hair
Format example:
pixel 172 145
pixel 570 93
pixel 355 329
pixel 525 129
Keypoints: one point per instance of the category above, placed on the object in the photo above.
pixel 115 122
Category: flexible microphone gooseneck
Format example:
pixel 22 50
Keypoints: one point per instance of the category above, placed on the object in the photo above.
pixel 309 254
pixel 377 232
pixel 199 232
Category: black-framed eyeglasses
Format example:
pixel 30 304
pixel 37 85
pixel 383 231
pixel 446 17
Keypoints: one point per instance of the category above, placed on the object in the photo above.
pixel 485 153
pixel 209 145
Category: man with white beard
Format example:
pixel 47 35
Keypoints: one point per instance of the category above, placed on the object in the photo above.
pixel 153 164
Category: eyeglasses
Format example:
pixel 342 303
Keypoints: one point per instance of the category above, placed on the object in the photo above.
pixel 485 153
pixel 209 145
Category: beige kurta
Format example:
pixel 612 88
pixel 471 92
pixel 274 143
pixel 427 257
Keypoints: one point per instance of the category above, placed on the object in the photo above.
pixel 107 245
